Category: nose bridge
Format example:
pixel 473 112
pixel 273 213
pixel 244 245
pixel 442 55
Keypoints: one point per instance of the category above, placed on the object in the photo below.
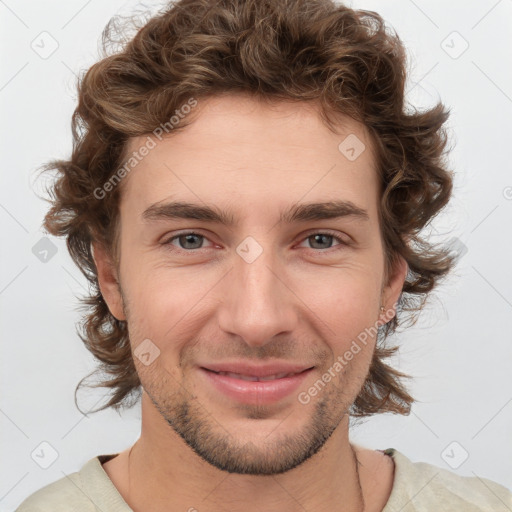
pixel 258 305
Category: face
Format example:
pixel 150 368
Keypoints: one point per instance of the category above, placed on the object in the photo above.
pixel 249 247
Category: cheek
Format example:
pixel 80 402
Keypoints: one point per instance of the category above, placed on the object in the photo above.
pixel 346 304
pixel 167 305
pixel 342 296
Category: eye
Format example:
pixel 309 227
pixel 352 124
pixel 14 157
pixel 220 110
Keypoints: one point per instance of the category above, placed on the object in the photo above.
pixel 323 240
pixel 190 241
pixel 187 241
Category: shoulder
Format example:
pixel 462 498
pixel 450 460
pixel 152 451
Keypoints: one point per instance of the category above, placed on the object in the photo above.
pixel 421 486
pixel 87 490
pixel 58 496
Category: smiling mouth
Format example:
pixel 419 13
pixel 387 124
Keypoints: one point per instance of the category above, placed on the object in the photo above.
pixel 254 378
pixel 255 389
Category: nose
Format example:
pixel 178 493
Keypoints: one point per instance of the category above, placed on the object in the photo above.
pixel 258 303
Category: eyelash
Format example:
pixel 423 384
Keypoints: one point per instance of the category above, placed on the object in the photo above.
pixel 326 232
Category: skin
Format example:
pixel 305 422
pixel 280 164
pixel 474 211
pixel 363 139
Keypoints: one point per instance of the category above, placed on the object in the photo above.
pixel 302 299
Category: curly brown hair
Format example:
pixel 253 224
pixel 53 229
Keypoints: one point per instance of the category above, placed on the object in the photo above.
pixel 348 61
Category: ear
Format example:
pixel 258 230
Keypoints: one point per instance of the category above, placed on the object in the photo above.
pixel 108 281
pixel 392 289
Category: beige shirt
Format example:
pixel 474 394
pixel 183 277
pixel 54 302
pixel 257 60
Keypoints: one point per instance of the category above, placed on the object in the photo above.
pixel 417 487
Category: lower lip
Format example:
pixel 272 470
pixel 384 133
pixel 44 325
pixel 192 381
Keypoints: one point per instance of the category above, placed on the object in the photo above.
pixel 256 392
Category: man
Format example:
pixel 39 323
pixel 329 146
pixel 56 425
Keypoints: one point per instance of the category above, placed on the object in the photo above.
pixel 246 193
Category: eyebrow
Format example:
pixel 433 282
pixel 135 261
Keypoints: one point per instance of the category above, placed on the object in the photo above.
pixel 304 212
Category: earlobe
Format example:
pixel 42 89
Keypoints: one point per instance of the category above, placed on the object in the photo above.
pixel 108 281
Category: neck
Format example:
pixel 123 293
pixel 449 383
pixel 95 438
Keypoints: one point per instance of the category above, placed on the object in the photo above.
pixel 164 471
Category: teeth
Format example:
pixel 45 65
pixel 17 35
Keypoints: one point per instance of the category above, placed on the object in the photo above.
pixel 253 378
pixel 277 376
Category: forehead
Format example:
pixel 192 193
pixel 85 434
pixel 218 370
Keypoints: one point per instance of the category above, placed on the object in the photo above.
pixel 241 151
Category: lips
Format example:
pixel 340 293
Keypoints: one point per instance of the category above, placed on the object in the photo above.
pixel 251 384
pixel 254 378
pixel 242 368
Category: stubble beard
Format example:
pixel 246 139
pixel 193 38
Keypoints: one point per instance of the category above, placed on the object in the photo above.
pixel 209 439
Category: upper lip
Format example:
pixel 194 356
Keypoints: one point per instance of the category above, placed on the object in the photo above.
pixel 262 370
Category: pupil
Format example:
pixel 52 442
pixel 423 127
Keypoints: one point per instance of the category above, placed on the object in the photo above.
pixel 318 238
pixel 189 238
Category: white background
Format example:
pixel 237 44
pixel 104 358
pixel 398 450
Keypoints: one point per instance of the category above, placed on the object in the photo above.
pixel 459 353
